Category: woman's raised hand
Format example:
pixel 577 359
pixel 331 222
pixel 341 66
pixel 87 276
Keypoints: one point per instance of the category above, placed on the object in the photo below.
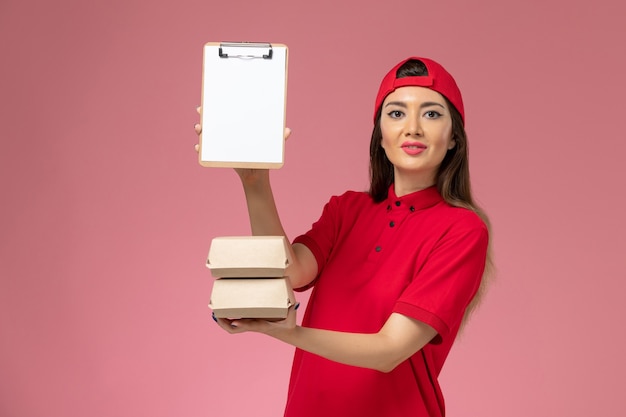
pixel 247 175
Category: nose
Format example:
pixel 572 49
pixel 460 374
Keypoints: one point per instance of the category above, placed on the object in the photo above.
pixel 413 126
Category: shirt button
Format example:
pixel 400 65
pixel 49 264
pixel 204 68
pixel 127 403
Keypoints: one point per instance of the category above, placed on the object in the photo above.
pixel 391 224
pixel 378 248
pixel 397 204
pixel 412 208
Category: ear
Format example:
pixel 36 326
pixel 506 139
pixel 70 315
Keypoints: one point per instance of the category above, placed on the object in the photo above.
pixel 452 143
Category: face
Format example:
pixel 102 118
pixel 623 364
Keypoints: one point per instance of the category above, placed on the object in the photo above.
pixel 416 128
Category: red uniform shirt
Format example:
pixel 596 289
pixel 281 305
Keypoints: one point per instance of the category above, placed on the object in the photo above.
pixel 414 255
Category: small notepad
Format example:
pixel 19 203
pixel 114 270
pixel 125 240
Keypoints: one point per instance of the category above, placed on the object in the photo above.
pixel 244 89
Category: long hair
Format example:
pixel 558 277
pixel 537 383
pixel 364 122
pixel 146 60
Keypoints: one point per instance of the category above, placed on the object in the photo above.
pixel 453 178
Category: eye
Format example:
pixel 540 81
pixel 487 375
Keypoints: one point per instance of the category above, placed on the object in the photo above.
pixel 395 114
pixel 432 114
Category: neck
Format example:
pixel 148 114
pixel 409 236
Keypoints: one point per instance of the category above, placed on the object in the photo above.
pixel 404 185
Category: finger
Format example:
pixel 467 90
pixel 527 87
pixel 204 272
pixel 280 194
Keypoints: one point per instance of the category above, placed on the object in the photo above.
pixel 196 147
pixel 198 128
pixel 287 133
pixel 228 325
pixel 199 109
pixel 251 325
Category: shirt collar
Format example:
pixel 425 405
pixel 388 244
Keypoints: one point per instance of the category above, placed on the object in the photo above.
pixel 417 200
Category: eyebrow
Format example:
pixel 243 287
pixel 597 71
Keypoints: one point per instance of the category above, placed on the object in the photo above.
pixel 425 104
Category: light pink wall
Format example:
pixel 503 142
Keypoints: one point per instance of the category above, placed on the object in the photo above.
pixel 106 216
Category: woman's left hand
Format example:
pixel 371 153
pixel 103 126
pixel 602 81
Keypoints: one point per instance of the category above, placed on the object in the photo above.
pixel 235 326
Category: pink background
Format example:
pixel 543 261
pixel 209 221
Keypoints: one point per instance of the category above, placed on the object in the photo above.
pixel 106 216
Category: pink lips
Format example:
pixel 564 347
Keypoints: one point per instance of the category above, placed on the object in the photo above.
pixel 413 148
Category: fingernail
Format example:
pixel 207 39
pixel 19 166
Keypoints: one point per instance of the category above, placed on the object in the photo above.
pixel 214 318
pixel 296 306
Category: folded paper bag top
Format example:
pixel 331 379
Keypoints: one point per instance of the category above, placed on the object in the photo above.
pixel 248 256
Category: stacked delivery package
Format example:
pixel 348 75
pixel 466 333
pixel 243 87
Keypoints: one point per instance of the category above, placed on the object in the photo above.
pixel 250 277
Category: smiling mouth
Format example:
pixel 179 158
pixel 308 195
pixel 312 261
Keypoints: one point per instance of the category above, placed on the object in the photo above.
pixel 413 146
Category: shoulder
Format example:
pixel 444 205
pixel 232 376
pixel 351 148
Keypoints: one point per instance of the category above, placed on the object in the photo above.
pixel 459 219
pixel 353 199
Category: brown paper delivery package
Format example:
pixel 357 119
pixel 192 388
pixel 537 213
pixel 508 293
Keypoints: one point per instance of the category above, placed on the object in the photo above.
pixel 250 277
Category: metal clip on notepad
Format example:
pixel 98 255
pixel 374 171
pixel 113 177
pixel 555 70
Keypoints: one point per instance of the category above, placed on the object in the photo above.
pixel 252 47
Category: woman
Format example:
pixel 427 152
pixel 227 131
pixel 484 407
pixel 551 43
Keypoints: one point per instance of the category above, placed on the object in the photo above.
pixel 395 271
